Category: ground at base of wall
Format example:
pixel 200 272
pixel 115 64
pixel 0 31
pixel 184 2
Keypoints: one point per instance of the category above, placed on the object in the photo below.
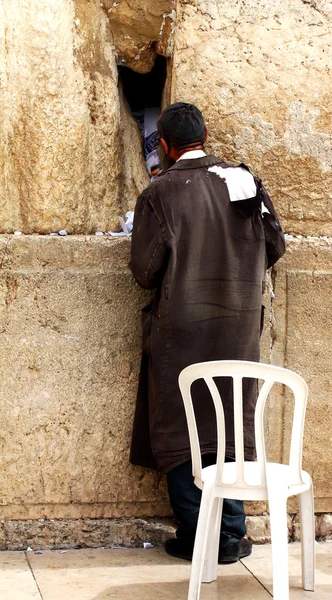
pixel 128 532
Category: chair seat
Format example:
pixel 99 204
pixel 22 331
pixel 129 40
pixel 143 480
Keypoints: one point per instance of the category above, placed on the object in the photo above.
pixel 278 476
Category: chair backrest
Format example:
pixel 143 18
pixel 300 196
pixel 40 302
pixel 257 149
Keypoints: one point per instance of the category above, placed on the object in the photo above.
pixel 238 370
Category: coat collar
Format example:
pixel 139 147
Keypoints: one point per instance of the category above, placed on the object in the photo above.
pixel 195 163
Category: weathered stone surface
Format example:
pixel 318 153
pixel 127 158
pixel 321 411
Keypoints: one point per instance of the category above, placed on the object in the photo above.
pixel 302 336
pixel 260 74
pixel 69 368
pixel 299 338
pixel 259 531
pixel 258 528
pixel 69 156
pixel 88 533
pixel 2 537
pixel 324 526
pixel 140 29
pixel 70 339
pixel 54 534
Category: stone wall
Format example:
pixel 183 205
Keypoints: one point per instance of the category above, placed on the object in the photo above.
pixel 260 71
pixel 141 28
pixel 70 157
pixel 70 339
pixel 301 330
pixel 69 371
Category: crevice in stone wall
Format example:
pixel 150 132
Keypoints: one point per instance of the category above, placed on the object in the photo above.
pixel 144 96
pixel 143 37
pixel 144 90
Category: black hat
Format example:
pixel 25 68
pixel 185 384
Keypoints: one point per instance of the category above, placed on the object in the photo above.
pixel 182 125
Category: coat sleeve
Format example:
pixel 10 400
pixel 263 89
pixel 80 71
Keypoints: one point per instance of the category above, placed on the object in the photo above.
pixel 149 255
pixel 274 235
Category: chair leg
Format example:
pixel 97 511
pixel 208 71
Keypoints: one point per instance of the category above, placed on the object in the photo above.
pixel 201 539
pixel 307 519
pixel 212 548
pixel 279 540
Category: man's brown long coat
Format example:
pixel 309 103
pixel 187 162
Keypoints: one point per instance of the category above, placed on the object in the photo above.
pixel 206 256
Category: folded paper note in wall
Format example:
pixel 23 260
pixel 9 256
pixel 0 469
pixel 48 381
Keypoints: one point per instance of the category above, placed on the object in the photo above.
pixel 125 224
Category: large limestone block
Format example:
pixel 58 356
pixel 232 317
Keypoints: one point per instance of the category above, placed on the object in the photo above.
pixel 260 72
pixel 297 336
pixel 70 354
pixel 70 156
pixel 70 339
pixel 140 29
pixel 302 342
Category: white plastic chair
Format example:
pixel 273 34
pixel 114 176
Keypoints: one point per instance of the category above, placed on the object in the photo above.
pixel 244 480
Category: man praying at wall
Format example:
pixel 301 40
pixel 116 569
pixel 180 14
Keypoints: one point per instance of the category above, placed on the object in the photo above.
pixel 205 231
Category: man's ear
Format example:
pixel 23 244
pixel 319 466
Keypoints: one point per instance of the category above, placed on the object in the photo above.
pixel 165 146
pixel 206 134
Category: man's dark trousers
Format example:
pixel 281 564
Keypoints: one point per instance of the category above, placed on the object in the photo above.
pixel 185 499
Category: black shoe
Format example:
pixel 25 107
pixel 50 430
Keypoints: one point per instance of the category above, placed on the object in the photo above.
pixel 228 554
pixel 233 552
pixel 180 548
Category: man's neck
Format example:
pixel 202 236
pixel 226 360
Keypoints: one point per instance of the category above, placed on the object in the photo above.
pixel 192 154
pixel 175 154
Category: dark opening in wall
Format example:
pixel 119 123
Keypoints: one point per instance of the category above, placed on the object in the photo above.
pixel 144 90
pixel 144 94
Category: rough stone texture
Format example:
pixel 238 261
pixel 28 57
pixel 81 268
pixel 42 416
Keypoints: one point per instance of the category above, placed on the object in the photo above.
pixel 140 29
pixel 3 543
pixel 87 533
pixel 300 339
pixel 324 526
pixel 95 533
pixel 302 342
pixel 70 157
pixel 260 73
pixel 70 340
pixel 69 365
pixel 258 529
